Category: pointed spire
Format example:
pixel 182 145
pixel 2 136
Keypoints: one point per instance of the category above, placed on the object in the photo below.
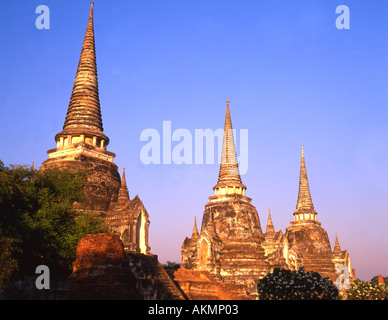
pixel 229 174
pixel 84 113
pixel 123 181
pixel 229 165
pixel 304 203
pixel 336 245
pixel 123 191
pixel 270 228
pixel 195 232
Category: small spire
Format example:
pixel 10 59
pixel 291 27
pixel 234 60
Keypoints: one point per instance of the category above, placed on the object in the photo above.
pixel 304 203
pixel 123 191
pixel 270 228
pixel 336 245
pixel 195 232
pixel 123 181
pixel 229 173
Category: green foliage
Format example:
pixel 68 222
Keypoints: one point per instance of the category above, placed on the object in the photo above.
pixel 172 265
pixel 375 280
pixel 8 264
pixel 363 290
pixel 283 284
pixel 38 223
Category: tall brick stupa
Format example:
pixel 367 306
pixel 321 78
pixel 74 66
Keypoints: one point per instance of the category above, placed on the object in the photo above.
pixel 306 242
pixel 231 253
pixel 118 264
pixel 224 259
pixel 228 247
pixel 82 143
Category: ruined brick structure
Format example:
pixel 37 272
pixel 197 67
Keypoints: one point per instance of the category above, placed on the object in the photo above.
pixel 100 271
pixel 224 260
pixel 231 246
pixel 273 245
pixel 107 266
pixel 103 270
pixel 306 242
pixel 82 143
pixel 129 219
pixel 342 258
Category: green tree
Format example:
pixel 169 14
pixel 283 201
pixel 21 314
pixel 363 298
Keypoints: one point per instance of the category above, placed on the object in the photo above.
pixel 8 265
pixel 283 284
pixel 364 290
pixel 171 265
pixel 375 280
pixel 38 222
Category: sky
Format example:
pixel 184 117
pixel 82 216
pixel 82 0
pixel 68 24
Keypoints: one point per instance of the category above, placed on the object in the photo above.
pixel 292 77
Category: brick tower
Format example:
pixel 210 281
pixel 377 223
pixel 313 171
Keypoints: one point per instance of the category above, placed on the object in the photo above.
pixel 306 242
pixel 229 244
pixel 82 143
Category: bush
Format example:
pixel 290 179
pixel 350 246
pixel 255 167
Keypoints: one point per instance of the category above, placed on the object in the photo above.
pixel 375 280
pixel 363 290
pixel 283 284
pixel 37 222
pixel 8 265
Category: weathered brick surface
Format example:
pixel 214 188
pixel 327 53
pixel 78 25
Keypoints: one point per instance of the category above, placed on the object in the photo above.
pixel 311 247
pixel 100 271
pixel 82 143
pixel 228 246
pixel 153 281
pixel 99 249
pixel 201 285
pixel 103 179
pixel 129 219
pixel 231 246
pixel 104 271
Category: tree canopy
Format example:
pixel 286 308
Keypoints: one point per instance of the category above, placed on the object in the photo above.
pixel 364 290
pixel 38 224
pixel 283 284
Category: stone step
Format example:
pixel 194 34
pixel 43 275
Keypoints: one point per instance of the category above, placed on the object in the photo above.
pixel 168 282
pixel 151 266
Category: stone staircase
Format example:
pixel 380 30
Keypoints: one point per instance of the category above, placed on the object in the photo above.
pixel 201 285
pixel 168 283
pixel 152 280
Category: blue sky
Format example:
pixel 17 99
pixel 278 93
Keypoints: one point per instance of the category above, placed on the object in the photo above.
pixel 291 77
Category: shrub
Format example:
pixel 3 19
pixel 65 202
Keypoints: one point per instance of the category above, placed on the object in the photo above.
pixel 283 284
pixel 363 290
pixel 37 222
